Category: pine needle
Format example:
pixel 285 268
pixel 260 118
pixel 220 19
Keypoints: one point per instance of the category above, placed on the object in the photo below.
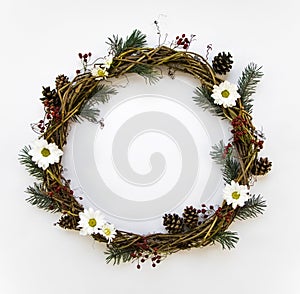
pixel 40 199
pixel 32 168
pixel 252 208
pixel 117 255
pixel 227 239
pixel 203 99
pixel 247 84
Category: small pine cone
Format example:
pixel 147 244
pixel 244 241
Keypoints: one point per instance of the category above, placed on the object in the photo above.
pixel 51 96
pixel 261 166
pixel 222 63
pixel 190 217
pixel 61 81
pixel 173 223
pixel 68 222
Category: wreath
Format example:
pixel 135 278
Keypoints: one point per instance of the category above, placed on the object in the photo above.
pixel 72 101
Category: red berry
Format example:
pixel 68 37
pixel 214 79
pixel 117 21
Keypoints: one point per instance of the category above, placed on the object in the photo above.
pixel 138 266
pixel 90 54
pixel 177 37
pixel 80 55
pixel 78 71
pixel 183 35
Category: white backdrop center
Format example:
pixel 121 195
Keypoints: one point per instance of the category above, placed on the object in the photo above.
pixel 152 156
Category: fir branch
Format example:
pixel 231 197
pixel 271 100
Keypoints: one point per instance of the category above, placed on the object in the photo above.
pixel 227 239
pixel 203 99
pixel 217 154
pixel 118 255
pixel 231 169
pixel 40 199
pixel 32 168
pixel 103 94
pixel 136 40
pixel 252 208
pixel 151 76
pixel 247 84
pixel 90 110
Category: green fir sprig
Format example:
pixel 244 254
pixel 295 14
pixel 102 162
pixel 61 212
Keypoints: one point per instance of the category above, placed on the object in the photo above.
pixel 252 208
pixel 90 110
pixel 203 99
pixel 247 84
pixel 136 40
pixel 39 198
pixel 31 167
pixel 150 75
pixel 227 239
pixel 118 255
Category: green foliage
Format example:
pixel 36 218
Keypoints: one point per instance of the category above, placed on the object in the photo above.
pixel 217 153
pixel 136 40
pixel 90 109
pixel 252 208
pixel 247 84
pixel 230 169
pixel 227 239
pixel 118 255
pixel 203 99
pixel 230 166
pixel 40 199
pixel 32 168
pixel 151 76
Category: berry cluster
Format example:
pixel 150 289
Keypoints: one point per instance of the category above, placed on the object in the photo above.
pixel 85 58
pixel 144 253
pixel 206 212
pixel 240 129
pixel 183 41
pixel 227 215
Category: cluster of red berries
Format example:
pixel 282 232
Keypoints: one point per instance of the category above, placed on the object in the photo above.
pixel 84 57
pixel 155 258
pixel 183 41
pixel 149 254
pixel 227 150
pixel 52 111
pixel 61 189
pixel 258 144
pixel 227 215
pixel 206 212
pixel 240 128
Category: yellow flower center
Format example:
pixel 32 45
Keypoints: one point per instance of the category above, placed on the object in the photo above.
pixel 92 222
pixel 101 73
pixel 107 231
pixel 225 93
pixel 235 195
pixel 45 152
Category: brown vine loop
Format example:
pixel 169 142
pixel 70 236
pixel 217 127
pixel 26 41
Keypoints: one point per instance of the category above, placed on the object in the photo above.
pixel 76 93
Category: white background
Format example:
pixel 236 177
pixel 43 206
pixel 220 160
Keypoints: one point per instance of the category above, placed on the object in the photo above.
pixel 40 40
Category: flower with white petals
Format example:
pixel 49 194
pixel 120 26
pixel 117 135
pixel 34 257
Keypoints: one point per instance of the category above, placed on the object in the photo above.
pixel 44 154
pixel 236 194
pixel 90 222
pixel 225 94
pixel 108 231
pixel 99 72
pixel 107 61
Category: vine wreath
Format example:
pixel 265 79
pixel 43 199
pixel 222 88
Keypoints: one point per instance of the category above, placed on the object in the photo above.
pixel 72 101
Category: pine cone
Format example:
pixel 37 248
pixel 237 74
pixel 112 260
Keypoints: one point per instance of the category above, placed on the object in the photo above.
pixel 50 96
pixel 222 63
pixel 68 222
pixel 190 217
pixel 61 81
pixel 261 166
pixel 173 223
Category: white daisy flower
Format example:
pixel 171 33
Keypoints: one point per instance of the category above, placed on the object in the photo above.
pixel 108 231
pixel 225 94
pixel 90 222
pixel 44 154
pixel 99 72
pixel 107 61
pixel 236 194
